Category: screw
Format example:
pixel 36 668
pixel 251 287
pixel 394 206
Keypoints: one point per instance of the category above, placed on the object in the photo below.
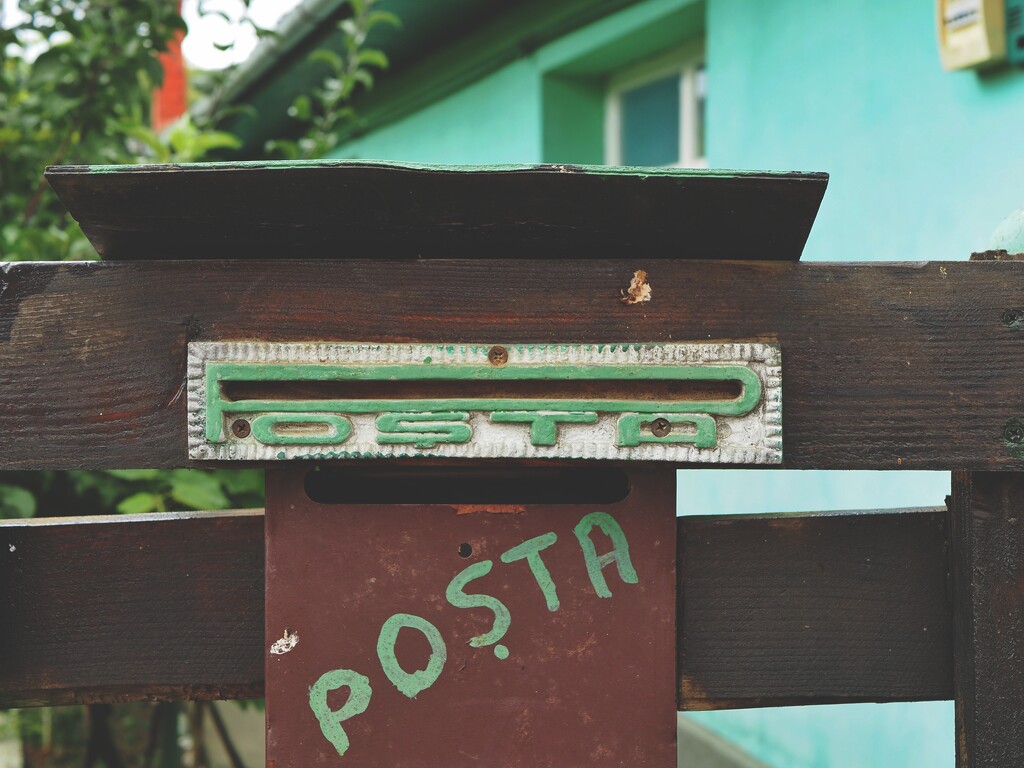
pixel 1012 318
pixel 241 429
pixel 497 356
pixel 1013 432
pixel 660 427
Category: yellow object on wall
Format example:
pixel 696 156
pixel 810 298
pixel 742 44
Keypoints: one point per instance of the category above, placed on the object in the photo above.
pixel 972 33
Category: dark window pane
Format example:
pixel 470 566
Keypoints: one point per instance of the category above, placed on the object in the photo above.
pixel 650 123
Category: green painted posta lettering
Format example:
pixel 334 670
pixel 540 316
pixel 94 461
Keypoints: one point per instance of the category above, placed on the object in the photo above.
pixel 410 683
pixel 544 424
pixel 618 555
pixel 530 550
pixel 267 428
pixel 331 719
pixel 705 434
pixel 423 430
pixel 456 595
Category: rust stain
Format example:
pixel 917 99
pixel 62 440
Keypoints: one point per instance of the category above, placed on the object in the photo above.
pixel 691 694
pixel 788 523
pixel 639 289
pixel 494 509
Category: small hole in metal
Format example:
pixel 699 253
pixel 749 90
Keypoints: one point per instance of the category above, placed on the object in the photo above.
pixel 465 550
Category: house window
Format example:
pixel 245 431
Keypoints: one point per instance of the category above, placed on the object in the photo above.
pixel 654 114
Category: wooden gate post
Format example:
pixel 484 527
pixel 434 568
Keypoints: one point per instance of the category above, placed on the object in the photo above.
pixel 987 540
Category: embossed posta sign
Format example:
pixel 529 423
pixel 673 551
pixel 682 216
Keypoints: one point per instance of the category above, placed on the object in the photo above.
pixel 675 402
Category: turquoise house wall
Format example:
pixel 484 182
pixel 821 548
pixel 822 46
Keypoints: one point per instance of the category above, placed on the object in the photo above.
pixel 925 164
pixel 494 120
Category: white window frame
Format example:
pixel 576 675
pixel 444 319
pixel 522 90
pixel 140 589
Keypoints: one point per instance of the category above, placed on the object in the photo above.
pixel 683 62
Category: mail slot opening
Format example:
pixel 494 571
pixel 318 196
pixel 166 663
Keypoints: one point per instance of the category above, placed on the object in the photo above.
pixel 667 390
pixel 469 485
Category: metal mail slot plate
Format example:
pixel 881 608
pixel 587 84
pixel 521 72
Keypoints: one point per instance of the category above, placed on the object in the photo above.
pixel 704 403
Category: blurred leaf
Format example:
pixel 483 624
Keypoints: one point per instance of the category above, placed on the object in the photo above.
pixel 135 474
pixel 328 57
pixel 382 17
pixel 241 481
pixel 16 502
pixel 140 503
pixel 373 58
pixel 197 490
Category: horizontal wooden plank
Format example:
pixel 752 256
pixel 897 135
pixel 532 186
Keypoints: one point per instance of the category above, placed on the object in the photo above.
pixel 131 608
pixel 351 209
pixel 775 610
pixel 899 366
pixel 826 609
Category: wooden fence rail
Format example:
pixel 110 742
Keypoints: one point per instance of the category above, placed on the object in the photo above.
pixel 776 609
pixel 886 366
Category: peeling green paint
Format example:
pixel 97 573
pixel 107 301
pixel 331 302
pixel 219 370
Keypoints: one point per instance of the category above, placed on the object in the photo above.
pixel 264 428
pixel 530 550
pixel 705 436
pixel 543 424
pixel 217 373
pixel 423 430
pixel 410 683
pixel 457 597
pixel 330 719
pixel 618 555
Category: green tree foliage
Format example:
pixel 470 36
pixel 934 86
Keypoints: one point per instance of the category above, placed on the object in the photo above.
pixel 325 112
pixel 76 76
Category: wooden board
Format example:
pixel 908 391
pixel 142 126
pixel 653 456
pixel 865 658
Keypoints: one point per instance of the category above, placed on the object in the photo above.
pixel 751 636
pixel 899 366
pixel 987 541
pixel 132 608
pixel 360 209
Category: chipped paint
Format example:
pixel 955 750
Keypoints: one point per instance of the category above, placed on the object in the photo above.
pixel 287 643
pixel 639 289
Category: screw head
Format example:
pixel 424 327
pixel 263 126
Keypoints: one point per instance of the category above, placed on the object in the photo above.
pixel 1012 317
pixel 497 356
pixel 1014 431
pixel 240 428
pixel 660 427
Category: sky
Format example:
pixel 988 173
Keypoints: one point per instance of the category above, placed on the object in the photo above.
pixel 209 29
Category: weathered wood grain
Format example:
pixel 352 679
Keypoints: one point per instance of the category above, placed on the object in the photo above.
pixel 357 209
pixel 894 366
pixel 987 539
pixel 777 610
pixel 131 608
pixel 803 609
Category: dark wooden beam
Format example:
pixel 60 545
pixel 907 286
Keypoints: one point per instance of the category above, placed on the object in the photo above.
pixel 131 608
pixel 343 208
pixel 776 610
pixel 813 609
pixel 987 538
pixel 894 366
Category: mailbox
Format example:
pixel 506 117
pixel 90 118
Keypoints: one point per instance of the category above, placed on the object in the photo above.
pixel 470 539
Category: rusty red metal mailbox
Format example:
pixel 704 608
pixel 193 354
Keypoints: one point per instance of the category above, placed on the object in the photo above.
pixel 465 633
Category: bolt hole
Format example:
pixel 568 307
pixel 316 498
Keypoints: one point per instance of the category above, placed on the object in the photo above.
pixel 465 550
pixel 661 427
pixel 497 356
